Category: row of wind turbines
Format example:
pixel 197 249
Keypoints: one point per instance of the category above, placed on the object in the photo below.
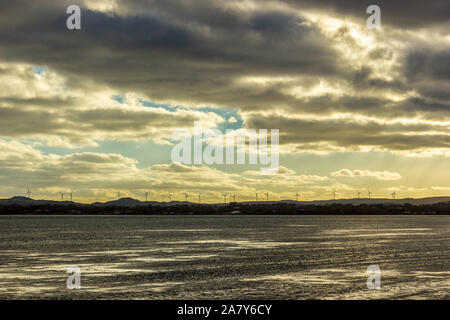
pixel 266 194
pixel 62 194
pixel 225 195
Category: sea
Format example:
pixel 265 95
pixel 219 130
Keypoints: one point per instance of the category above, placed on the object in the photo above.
pixel 225 257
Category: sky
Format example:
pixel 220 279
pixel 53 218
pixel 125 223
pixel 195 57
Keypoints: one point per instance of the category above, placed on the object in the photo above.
pixel 92 111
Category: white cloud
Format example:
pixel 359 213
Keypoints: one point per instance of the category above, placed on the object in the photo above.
pixel 357 173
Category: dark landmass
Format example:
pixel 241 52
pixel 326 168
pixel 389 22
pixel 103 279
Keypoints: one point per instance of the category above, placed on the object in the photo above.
pixel 129 206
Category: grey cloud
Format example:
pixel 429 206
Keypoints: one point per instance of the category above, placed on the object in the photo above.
pixel 401 13
pixel 80 126
pixel 363 78
pixel 197 51
pixel 436 91
pixel 424 63
pixel 39 102
pixel 150 52
pixel 349 133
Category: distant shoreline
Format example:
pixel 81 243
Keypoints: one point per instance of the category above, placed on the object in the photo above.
pixel 131 202
pixel 233 208
pixel 210 215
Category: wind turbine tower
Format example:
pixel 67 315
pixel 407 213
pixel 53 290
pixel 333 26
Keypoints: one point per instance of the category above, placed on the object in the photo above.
pixel 256 196
pixel 199 198
pixel 359 194
pixel 296 196
pixel 119 195
pixel 62 196
pixel 170 197
pixel 71 194
pixel 225 197
pixel 334 194
pixel 146 196
pixel 28 194
pixel 267 196
pixel 186 196
pixel 369 193
pixel 394 194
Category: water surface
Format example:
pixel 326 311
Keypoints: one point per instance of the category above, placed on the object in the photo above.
pixel 224 257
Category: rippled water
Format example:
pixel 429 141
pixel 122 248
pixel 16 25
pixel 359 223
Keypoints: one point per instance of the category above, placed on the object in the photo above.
pixel 226 257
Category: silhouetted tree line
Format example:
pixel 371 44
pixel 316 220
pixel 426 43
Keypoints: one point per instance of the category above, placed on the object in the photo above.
pixel 232 208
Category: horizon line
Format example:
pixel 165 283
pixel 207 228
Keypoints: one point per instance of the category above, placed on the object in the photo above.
pixel 219 202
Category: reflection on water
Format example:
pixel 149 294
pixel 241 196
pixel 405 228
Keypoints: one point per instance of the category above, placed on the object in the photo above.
pixel 228 257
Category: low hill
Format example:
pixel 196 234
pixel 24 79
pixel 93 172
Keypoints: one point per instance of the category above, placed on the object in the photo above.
pixel 24 201
pixel 130 202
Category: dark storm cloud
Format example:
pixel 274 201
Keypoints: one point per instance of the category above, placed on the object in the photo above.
pixel 426 108
pixel 435 91
pixel 427 70
pixel 404 13
pixel 148 53
pixel 410 14
pixel 424 63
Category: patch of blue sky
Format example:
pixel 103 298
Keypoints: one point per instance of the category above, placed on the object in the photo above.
pixel 39 69
pixel 232 118
pixel 118 98
pixel 151 104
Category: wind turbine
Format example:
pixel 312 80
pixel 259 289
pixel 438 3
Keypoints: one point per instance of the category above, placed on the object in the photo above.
pixel 334 194
pixel 70 194
pixel 256 194
pixel 267 196
pixel 62 196
pixel 199 198
pixel 225 197
pixel 393 194
pixel 170 197
pixel 28 194
pixel 119 195
pixel 186 196
pixel 296 196
pixel 369 193
pixel 359 194
pixel 146 196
